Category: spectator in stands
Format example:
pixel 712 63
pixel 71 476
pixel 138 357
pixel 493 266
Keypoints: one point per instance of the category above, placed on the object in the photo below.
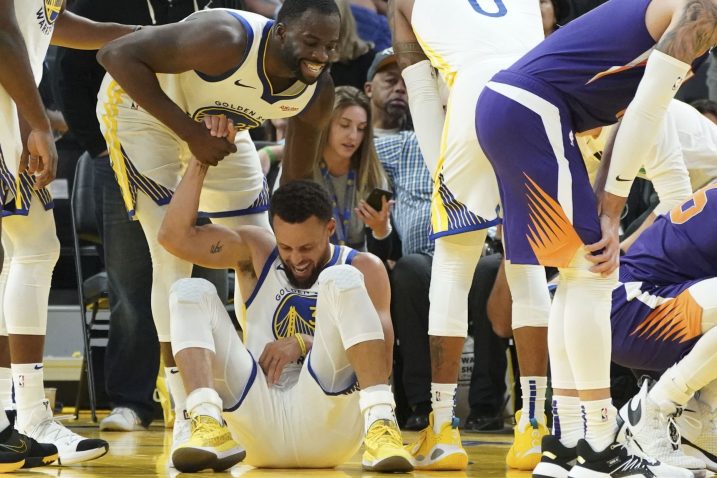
pixel 350 170
pixel 354 54
pixel 387 90
pixel 372 22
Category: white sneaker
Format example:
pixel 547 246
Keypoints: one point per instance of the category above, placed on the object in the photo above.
pixel 181 433
pixel 122 419
pixel 71 447
pixel 698 426
pixel 651 433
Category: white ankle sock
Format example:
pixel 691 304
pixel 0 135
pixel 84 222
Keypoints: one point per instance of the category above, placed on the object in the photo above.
pixel 533 400
pixel 29 392
pixel 6 388
pixel 176 390
pixel 205 401
pixel 377 403
pixel 443 401
pixel 600 423
pixel 568 425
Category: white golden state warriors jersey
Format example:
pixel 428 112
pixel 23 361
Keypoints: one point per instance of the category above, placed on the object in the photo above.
pixel 276 309
pixel 465 34
pixel 36 21
pixel 244 93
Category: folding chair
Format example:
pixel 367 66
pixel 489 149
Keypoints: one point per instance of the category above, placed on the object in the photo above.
pixel 94 289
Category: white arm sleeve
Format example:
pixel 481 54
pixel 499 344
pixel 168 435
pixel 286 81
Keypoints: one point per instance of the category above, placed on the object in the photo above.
pixel 426 110
pixel 666 168
pixel 641 123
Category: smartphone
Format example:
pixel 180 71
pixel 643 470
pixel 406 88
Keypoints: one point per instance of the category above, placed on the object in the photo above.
pixel 374 199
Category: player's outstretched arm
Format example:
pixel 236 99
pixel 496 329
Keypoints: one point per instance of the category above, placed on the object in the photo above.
pixel 303 134
pixel 74 31
pixel 379 290
pixel 212 43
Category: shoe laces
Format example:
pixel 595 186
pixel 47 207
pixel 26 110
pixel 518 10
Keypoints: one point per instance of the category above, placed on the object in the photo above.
pixel 202 424
pixel 51 431
pixel 384 434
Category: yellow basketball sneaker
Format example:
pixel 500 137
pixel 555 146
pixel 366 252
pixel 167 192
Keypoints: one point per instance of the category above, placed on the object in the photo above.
pixel 211 446
pixel 384 449
pixel 442 451
pixel 525 452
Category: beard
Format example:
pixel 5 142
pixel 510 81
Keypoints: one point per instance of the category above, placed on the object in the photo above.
pixel 301 283
pixel 293 62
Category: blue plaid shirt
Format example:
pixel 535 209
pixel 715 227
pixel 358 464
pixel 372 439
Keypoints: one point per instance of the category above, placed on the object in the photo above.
pixel 412 186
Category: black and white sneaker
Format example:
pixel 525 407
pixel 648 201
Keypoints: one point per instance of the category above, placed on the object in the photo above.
pixel 651 433
pixel 556 460
pixel 617 461
pixel 71 447
pixel 38 454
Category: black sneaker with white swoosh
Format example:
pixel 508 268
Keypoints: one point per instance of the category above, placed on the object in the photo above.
pixel 556 461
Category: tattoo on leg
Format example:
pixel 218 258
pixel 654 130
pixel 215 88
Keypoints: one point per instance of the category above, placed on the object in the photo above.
pixel 216 248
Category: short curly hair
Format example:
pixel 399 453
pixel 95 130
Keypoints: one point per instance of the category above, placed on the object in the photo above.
pixel 297 201
pixel 293 9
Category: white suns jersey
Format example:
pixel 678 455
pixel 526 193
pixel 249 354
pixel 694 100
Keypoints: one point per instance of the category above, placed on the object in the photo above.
pixel 276 309
pixel 463 34
pixel 244 93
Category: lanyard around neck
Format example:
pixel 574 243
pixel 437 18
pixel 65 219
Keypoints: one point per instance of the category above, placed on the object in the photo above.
pixel 343 218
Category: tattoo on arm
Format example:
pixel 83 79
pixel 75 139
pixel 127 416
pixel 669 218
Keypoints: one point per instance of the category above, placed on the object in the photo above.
pixel 409 53
pixel 216 248
pixel 694 33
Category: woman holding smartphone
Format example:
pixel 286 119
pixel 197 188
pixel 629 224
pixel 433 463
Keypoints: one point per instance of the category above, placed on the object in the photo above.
pixel 350 170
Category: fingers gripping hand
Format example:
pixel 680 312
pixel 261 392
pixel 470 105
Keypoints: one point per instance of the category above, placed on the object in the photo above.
pixel 211 143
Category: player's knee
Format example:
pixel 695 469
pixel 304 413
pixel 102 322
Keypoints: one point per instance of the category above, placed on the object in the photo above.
pixel 191 290
pixel 501 325
pixel 340 278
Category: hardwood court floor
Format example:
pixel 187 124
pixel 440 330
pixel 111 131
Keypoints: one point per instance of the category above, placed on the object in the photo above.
pixel 144 453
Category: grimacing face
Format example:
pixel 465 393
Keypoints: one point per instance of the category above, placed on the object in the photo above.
pixel 309 45
pixel 303 248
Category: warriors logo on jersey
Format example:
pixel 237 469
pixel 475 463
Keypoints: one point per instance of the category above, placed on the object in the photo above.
pixel 47 15
pixel 242 121
pixel 295 314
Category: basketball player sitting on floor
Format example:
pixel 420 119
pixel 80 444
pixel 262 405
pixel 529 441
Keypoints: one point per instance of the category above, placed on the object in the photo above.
pixel 311 322
pixel 663 318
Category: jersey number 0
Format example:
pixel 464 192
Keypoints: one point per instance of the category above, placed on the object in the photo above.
pixel 499 5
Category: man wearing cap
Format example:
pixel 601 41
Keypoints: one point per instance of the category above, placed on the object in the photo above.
pixel 387 90
pixel 467 42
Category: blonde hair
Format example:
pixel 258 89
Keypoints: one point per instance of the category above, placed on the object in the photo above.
pixel 350 46
pixel 369 171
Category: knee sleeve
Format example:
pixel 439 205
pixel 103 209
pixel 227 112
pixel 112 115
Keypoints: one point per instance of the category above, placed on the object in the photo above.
pixel 560 371
pixel 529 290
pixel 454 264
pixel 34 253
pixel 588 335
pixel 191 306
pixel 343 296
pixel 166 268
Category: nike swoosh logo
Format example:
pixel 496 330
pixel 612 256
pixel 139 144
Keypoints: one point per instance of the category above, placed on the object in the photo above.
pixel 38 367
pixel 22 448
pixel 239 83
pixel 174 371
pixel 634 413
pixel 618 178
